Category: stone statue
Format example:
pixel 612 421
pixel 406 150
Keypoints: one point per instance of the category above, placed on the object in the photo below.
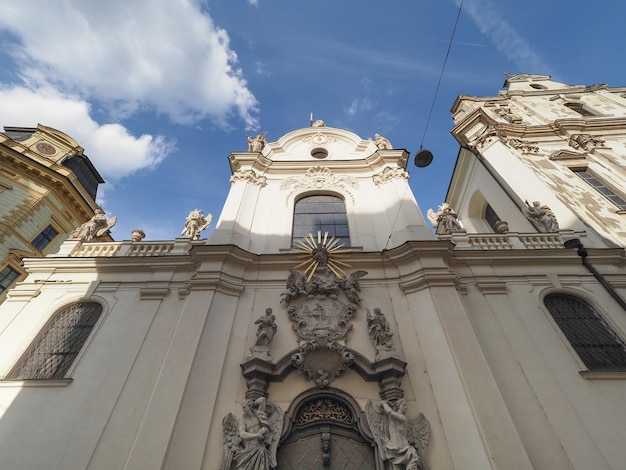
pixel 351 287
pixel 264 334
pixel 402 442
pixel 446 217
pixel 251 443
pixel 541 216
pixel 196 222
pixel 318 123
pixel 381 142
pixel 97 226
pixel 380 333
pixel 256 144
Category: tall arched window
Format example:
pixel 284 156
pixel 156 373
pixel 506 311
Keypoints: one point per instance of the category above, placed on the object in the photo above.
pixel 598 346
pixel 54 350
pixel 321 212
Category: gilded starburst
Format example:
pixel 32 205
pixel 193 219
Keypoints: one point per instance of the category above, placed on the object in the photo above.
pixel 321 251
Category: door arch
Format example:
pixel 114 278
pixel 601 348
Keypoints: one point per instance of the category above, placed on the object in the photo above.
pixel 326 430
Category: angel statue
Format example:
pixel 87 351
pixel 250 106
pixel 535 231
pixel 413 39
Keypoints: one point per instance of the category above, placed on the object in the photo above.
pixel 401 442
pixel 97 226
pixel 196 222
pixel 251 444
pixel 446 217
pixel 351 286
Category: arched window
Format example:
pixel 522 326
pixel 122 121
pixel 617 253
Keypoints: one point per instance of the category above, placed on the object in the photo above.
pixel 592 338
pixel 491 217
pixel 322 212
pixel 54 350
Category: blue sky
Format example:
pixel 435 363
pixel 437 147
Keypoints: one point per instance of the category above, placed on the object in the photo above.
pixel 160 92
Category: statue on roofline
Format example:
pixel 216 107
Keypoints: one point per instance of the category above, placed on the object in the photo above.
pixel 95 227
pixel 196 222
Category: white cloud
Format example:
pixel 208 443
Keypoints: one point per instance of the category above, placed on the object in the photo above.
pixel 112 149
pixel 254 2
pixel 359 104
pixel 504 37
pixel 161 54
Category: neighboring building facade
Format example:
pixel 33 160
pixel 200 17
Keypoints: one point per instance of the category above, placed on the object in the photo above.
pixel 545 141
pixel 140 355
pixel 47 189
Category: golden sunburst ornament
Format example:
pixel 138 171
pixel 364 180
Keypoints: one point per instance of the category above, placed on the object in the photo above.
pixel 321 251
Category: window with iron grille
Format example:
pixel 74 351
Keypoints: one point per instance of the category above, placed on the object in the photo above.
pixel 491 217
pixel 44 238
pixel 600 187
pixel 53 352
pixel 7 276
pixel 580 108
pixel 322 213
pixel 598 346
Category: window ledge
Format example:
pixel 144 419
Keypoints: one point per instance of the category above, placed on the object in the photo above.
pixel 35 382
pixel 603 374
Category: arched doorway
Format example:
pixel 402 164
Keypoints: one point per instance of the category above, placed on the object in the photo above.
pixel 325 430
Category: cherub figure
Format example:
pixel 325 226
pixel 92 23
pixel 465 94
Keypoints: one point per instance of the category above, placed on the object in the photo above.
pixel 251 443
pixel 296 286
pixel 402 442
pixel 351 287
pixel 196 222
pixel 97 226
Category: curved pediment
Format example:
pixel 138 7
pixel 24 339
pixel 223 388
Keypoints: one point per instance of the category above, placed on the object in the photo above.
pixel 319 144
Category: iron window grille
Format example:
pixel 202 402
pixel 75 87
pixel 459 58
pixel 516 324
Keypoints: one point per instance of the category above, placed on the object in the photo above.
pixel 600 187
pixel 322 213
pixel 54 350
pixel 491 217
pixel 598 346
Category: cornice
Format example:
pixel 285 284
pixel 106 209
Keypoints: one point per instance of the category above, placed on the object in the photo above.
pixel 55 177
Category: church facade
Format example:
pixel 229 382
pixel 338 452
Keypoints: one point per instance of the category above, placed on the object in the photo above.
pixel 324 324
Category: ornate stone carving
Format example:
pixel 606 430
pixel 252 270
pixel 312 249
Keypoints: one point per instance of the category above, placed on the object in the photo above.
pixel 319 138
pixel 97 226
pixel 322 321
pixel 317 122
pixel 585 142
pixel 251 444
pixel 380 334
pixel 250 176
pixel 486 136
pixel 445 216
pixel 256 144
pixel 265 333
pixel 524 147
pixel 508 115
pixel 196 222
pixel 322 326
pixel 318 177
pixel 389 174
pixel 382 143
pixel 402 442
pixel 541 216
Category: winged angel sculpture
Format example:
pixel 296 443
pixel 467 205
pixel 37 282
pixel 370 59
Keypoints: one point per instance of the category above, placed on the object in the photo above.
pixel 402 442
pixel 251 444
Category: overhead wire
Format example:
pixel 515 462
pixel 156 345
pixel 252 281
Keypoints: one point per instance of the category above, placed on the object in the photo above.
pixel 430 112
